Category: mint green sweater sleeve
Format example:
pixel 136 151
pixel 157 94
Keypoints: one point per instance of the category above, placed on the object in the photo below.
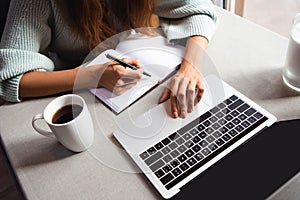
pixel 181 19
pixel 25 38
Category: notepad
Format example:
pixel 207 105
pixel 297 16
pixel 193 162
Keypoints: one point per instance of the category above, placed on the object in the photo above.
pixel 156 56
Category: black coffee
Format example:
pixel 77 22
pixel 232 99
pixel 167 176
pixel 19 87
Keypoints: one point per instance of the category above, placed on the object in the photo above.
pixel 66 114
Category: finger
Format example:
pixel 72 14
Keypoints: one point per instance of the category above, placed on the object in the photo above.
pixel 129 80
pixel 165 95
pixel 174 105
pixel 133 61
pixel 120 90
pixel 173 87
pixel 200 92
pixel 132 74
pixel 190 96
pixel 181 96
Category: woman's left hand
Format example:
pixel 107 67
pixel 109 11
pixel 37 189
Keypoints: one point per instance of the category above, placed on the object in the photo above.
pixel 185 90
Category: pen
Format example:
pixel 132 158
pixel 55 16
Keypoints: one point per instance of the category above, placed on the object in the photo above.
pixel 125 64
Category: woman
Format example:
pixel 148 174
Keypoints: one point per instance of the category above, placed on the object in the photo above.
pixel 44 40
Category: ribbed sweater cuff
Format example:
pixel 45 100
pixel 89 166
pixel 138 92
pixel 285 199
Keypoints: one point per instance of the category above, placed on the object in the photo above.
pixel 10 89
pixel 202 25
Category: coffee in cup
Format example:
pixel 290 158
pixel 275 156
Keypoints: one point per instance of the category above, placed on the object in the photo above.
pixel 70 122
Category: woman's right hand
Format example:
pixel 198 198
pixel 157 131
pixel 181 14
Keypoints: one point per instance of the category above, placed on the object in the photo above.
pixel 116 77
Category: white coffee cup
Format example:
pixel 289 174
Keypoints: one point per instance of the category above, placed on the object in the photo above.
pixel 291 70
pixel 75 133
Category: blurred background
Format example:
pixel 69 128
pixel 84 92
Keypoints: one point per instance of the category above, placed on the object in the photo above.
pixel 275 15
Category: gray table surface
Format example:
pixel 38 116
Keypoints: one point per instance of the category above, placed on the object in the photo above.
pixel 247 56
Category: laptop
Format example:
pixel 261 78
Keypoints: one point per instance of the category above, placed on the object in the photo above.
pixel 172 152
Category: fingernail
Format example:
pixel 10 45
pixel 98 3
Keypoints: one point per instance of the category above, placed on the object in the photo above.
pixel 183 114
pixel 175 114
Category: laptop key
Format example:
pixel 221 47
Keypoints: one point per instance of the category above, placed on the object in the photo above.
pixel 227 102
pixel 144 155
pixel 229 125
pixel 205 151
pixel 167 178
pixel 182 158
pixel 196 148
pixel 221 105
pixel 252 119
pixel 213 119
pixel 226 137
pixel 209 130
pixel 257 115
pixel 233 98
pixel 151 150
pixel 180 141
pixel 243 107
pixel 166 141
pixel 245 124
pixel 199 156
pixel 223 130
pixel 159 173
pixel 207 123
pixel 196 139
pixel 200 127
pixel 157 165
pixel 212 147
pixel 228 117
pixel 175 163
pixel 189 144
pixel 184 167
pixel 235 104
pixel 167 168
pixel 205 116
pixel 239 128
pixel 182 148
pixel 159 146
pixel 167 158
pixel 202 135
pixel 236 121
pixel 217 134
pixel 187 136
pixel 216 126
pixel 173 145
pixel 175 153
pixel 220 142
pixel 214 110
pixel 250 111
pixel 176 172
pixel 194 132
pixel 232 133
pixel 210 139
pixel 174 136
pixel 166 150
pixel 242 117
pixel 191 161
pixel 234 113
pixel 203 143
pixel 153 158
pixel 189 153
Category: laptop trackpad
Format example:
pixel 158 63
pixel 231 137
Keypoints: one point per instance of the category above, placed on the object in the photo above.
pixel 159 120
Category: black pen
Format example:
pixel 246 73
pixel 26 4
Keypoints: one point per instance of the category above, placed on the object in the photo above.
pixel 125 64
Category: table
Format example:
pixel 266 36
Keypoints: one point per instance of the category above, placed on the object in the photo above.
pixel 246 55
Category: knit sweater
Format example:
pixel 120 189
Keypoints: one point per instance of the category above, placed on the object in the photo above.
pixel 37 31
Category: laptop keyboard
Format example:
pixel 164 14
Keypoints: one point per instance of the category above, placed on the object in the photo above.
pixel 187 149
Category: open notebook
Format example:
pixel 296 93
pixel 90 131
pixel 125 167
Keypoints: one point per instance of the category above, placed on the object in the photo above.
pixel 157 57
